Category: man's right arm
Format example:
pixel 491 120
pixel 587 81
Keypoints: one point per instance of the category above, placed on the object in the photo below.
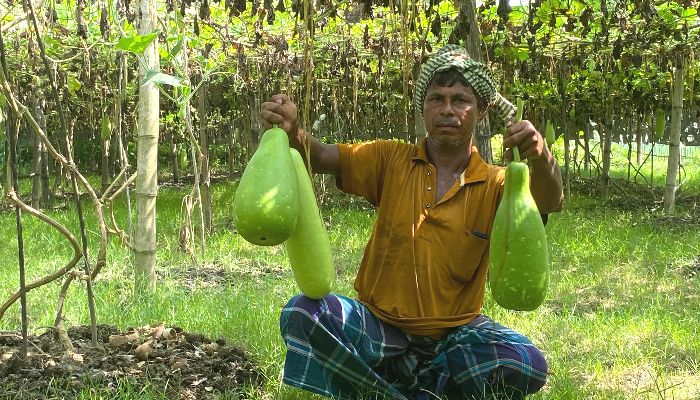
pixel 281 111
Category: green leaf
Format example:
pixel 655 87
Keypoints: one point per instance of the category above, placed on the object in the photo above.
pixel 182 155
pixel 127 26
pixel 591 65
pixel 549 134
pixel 73 85
pixel 689 13
pixel 660 123
pixel 181 111
pixel 164 55
pixel 106 131
pixel 176 49
pixel 523 54
pixel 159 78
pixel 136 44
pixel 186 92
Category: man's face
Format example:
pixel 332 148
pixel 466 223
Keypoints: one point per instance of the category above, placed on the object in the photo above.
pixel 451 113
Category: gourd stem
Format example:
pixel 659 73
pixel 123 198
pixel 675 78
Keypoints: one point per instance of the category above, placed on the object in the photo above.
pixel 518 117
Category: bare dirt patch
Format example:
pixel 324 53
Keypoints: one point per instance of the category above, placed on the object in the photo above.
pixel 216 275
pixel 174 363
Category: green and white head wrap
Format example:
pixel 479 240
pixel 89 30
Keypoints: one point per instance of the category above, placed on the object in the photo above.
pixel 476 73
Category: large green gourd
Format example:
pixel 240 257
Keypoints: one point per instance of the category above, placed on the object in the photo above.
pixel 660 124
pixel 308 249
pixel 266 204
pixel 518 255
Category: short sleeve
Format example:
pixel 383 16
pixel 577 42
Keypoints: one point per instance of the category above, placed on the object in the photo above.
pixel 363 167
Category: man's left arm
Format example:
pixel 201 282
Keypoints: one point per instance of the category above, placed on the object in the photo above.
pixel 546 183
pixel 545 177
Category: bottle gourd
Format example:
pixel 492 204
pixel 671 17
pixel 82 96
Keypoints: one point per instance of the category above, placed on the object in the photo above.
pixel 549 133
pixel 266 204
pixel 518 254
pixel 308 248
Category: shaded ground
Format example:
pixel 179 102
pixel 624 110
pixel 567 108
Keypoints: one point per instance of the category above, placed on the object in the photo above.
pixel 177 364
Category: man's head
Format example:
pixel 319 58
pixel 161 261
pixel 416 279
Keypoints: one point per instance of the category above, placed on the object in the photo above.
pixel 451 109
pixel 475 74
pixel 451 77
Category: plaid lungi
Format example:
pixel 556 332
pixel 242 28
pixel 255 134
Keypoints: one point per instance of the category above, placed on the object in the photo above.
pixel 337 348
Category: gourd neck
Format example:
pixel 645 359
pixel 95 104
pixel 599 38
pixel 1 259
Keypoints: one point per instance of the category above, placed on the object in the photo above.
pixel 517 178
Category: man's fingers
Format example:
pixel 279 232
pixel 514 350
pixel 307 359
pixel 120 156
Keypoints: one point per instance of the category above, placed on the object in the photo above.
pixel 271 117
pixel 514 137
pixel 280 98
pixel 274 107
pixel 528 153
pixel 279 111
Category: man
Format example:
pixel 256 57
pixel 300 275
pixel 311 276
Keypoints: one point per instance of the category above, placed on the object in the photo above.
pixel 416 330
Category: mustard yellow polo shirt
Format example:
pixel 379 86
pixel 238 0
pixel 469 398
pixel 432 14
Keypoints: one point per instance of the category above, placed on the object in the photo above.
pixel 424 267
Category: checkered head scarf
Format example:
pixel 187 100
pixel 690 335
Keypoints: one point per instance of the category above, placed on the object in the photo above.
pixel 476 73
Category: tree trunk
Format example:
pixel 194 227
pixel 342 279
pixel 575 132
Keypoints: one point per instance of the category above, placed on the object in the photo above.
pixel 254 139
pixel 575 164
pixel 175 154
pixel 652 135
pixel 567 157
pixel 566 119
pixel 406 71
pixel 674 148
pixel 606 138
pixel 472 43
pixel 629 145
pixel 204 148
pixel 105 163
pixel 147 158
pixel 232 132
pixel 587 150
pixel 639 136
pixel 45 189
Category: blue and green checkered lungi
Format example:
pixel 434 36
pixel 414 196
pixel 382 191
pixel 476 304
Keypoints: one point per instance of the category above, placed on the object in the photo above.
pixel 337 348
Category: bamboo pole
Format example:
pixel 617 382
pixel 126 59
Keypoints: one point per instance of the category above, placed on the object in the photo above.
pixel 674 153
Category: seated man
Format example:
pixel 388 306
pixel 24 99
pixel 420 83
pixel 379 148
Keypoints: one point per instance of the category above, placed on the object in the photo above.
pixel 416 330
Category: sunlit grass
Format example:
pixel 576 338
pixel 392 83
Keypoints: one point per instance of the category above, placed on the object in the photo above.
pixel 620 320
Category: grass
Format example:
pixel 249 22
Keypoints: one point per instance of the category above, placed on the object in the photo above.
pixel 620 321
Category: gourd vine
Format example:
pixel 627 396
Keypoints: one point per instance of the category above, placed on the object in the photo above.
pixel 520 104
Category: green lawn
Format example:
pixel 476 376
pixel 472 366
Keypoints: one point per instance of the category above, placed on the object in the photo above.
pixel 620 321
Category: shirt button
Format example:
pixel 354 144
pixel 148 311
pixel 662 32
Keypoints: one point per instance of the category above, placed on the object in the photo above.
pixel 430 173
pixel 427 205
pixel 429 188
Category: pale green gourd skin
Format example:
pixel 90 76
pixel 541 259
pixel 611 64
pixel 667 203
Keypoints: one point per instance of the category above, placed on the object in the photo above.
pixel 266 204
pixel 518 254
pixel 308 249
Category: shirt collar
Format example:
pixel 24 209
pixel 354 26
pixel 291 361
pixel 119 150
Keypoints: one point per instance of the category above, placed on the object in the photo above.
pixel 477 170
